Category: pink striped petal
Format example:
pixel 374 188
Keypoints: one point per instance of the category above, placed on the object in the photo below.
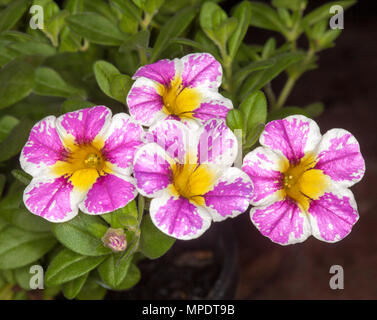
pixel 217 144
pixel 43 148
pixel 213 106
pixel 84 125
pixel 264 168
pixel 110 192
pixel 172 136
pixel 340 158
pixel 178 217
pixel 333 215
pixel 162 71
pixel 122 140
pixel 152 169
pixel 201 70
pixel 145 103
pixel 230 196
pixel 283 222
pixel 52 199
pixel 293 137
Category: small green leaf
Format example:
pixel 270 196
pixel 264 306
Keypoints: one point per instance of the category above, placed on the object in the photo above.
pixel 17 82
pixel 243 15
pixel 70 105
pixel 269 48
pixel 19 248
pixel 16 139
pixel 23 277
pixel 68 265
pixel 120 85
pixel 22 176
pixel 50 83
pixel 7 123
pixel 78 235
pixel 234 120
pixel 72 288
pixel 114 269
pixel 241 75
pixel 118 217
pixel 96 28
pixel 153 243
pixel 12 13
pixel 266 17
pixel 132 278
pixel 91 291
pixel 138 40
pixel 290 4
pixel 172 28
pixel 253 135
pixel 104 72
pixel 254 110
pixel 315 109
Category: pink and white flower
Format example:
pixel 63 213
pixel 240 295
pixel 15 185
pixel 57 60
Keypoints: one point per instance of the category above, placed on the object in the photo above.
pixel 189 176
pixel 181 89
pixel 301 181
pixel 83 159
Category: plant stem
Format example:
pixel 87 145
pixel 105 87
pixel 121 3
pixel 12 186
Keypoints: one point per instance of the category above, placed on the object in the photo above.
pixel 285 92
pixel 142 56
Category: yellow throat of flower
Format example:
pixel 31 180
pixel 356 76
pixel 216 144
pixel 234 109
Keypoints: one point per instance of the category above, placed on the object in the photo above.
pixel 83 164
pixel 192 181
pixel 179 101
pixel 302 183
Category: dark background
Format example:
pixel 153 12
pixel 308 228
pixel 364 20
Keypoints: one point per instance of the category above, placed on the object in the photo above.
pixel 346 82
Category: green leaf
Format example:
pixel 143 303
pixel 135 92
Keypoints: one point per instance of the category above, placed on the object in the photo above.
pixel 132 278
pixel 69 265
pixel 243 15
pixel 55 25
pixel 22 176
pixel 241 75
pixel 266 17
pixel 234 120
pixel 120 85
pixel 78 235
pixel 17 82
pixel 17 138
pixel 70 105
pixel 259 79
pixel 285 112
pixel 173 27
pixel 189 42
pixel 269 48
pixel 290 4
pixel 96 29
pixel 253 135
pixel 254 110
pixel 12 13
pixel 118 217
pixel 72 288
pixel 91 291
pixel 150 6
pixel 32 47
pixel 19 248
pixel 50 83
pixel 153 243
pixel 23 277
pixel 315 109
pixel 323 12
pixel 138 40
pixel 114 269
pixel 7 123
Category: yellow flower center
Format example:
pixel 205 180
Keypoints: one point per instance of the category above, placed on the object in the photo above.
pixel 83 164
pixel 192 181
pixel 179 101
pixel 302 183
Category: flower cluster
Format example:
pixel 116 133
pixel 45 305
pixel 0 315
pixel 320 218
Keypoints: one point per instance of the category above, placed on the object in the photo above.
pixel 297 181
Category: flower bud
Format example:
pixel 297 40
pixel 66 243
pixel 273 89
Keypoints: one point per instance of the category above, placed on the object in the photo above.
pixel 115 239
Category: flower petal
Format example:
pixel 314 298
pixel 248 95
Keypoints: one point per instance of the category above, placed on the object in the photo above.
pixel 264 168
pixel 178 217
pixel 173 136
pixel 43 148
pixel 283 222
pixel 230 196
pixel 293 136
pixel 340 158
pixel 333 215
pixel 145 102
pixel 162 71
pixel 110 192
pixel 122 140
pixel 152 169
pixel 52 199
pixel 213 106
pixel 217 144
pixel 201 70
pixel 84 125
